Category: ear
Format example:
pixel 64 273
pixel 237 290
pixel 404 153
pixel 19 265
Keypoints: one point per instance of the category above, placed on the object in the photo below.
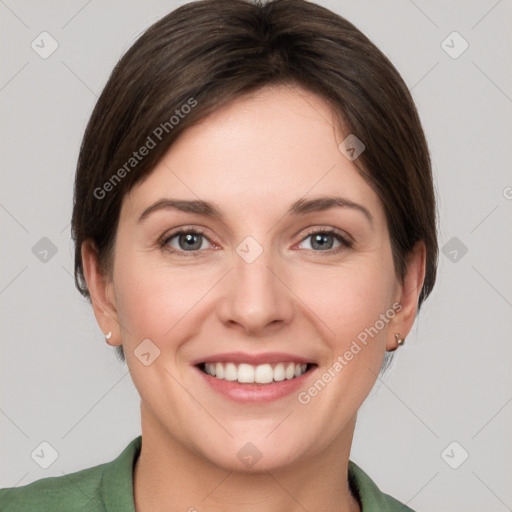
pixel 408 295
pixel 100 289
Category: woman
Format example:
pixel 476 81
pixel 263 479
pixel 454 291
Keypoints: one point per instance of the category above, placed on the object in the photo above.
pixel 255 227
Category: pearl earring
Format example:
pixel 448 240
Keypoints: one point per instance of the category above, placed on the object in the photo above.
pixel 399 340
pixel 109 335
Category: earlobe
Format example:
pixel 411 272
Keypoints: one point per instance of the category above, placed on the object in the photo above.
pixel 100 290
pixel 410 292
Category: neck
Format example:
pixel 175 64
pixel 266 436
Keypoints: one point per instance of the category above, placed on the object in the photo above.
pixel 168 476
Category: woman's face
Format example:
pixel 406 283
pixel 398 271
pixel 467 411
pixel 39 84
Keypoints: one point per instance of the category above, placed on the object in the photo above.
pixel 253 291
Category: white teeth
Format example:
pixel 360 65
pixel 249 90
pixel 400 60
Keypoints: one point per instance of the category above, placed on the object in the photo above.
pixel 279 372
pixel 261 374
pixel 289 372
pixel 230 372
pixel 245 373
pixel 210 368
pixel 219 371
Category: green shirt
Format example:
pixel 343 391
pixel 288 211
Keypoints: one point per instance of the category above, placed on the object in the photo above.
pixel 108 487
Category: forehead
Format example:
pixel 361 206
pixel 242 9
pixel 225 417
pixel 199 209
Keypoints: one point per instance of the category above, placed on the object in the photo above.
pixel 273 146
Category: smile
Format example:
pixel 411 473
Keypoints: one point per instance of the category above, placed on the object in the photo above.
pixel 251 374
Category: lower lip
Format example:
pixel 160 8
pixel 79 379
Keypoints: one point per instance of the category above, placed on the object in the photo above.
pixel 255 393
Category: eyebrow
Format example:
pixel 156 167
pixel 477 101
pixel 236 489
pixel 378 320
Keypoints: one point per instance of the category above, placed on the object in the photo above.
pixel 211 210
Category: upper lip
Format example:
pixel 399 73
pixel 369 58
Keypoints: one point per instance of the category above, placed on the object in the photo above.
pixel 253 359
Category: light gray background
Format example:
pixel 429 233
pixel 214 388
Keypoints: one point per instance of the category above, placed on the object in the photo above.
pixel 62 384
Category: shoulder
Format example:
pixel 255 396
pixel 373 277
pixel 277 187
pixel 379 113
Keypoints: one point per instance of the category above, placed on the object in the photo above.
pixel 371 498
pixel 92 489
pixel 74 491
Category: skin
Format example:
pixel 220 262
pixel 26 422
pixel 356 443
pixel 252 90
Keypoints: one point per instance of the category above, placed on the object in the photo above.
pixel 253 158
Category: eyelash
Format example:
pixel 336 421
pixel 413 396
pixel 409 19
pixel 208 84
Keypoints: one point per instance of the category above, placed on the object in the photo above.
pixel 345 243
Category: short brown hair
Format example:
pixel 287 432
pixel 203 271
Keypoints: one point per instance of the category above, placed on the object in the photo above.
pixel 214 51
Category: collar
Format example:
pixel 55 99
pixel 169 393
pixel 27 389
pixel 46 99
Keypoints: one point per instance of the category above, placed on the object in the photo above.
pixel 116 486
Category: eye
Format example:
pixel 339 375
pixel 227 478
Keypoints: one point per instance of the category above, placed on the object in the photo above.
pixel 190 242
pixel 323 241
pixel 187 241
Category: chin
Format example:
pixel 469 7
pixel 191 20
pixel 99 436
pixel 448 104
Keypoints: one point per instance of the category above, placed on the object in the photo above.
pixel 252 458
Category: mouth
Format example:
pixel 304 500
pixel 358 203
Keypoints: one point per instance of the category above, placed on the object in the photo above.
pixel 263 374
pixel 254 379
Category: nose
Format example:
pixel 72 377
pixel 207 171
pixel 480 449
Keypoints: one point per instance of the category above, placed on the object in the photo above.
pixel 256 299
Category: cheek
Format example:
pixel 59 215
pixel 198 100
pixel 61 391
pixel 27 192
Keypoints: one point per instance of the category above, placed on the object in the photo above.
pixel 349 299
pixel 154 301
